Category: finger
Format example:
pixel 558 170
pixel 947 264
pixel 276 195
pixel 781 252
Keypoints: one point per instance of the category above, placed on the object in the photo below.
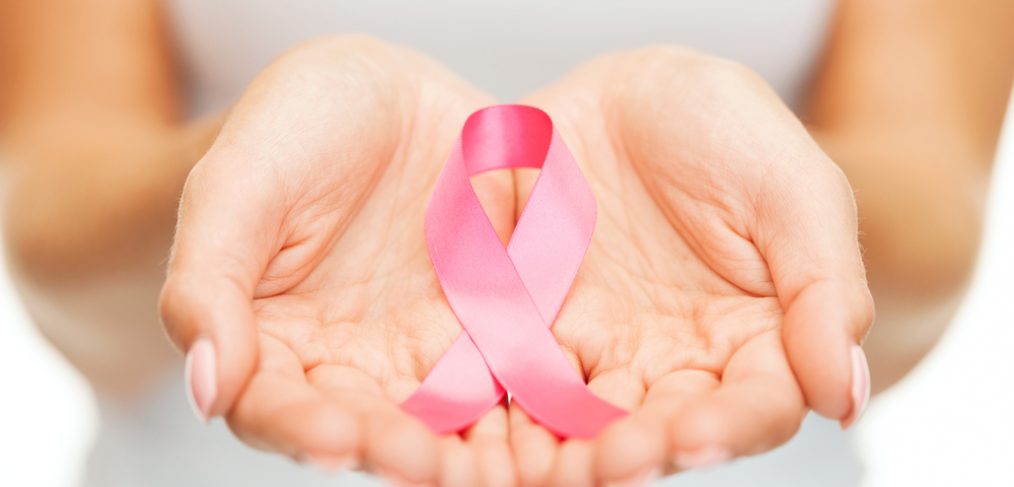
pixel 757 406
pixel 823 347
pixel 488 440
pixel 534 448
pixel 279 411
pixel 223 241
pixel 236 200
pixel 573 465
pixel 620 387
pixel 635 448
pixel 807 231
pixel 394 444
pixel 458 464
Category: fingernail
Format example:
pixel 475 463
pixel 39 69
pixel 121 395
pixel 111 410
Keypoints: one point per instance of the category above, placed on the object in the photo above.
pixel 202 382
pixel 860 386
pixel 333 463
pixel 701 459
pixel 641 479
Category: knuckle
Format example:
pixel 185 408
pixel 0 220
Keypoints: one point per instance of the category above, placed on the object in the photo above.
pixel 175 300
pixel 664 53
pixel 353 42
pixel 866 309
pixel 706 70
pixel 837 184
pixel 730 74
pixel 170 301
pixel 327 51
pixel 670 74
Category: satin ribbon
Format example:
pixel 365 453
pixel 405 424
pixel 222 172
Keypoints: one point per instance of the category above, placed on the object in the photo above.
pixel 507 299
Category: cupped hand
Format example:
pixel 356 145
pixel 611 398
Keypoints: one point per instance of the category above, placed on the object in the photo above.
pixel 299 282
pixel 723 293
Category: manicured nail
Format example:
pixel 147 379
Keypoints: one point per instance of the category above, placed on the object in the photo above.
pixel 860 386
pixel 333 463
pixel 202 381
pixel 641 479
pixel 702 459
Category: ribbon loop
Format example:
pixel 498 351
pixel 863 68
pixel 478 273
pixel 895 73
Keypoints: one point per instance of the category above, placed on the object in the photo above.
pixel 507 299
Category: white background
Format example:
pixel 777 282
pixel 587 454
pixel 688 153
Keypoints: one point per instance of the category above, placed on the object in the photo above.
pixel 951 422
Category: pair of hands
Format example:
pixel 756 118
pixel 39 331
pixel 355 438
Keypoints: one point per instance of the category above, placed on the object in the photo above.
pixel 723 293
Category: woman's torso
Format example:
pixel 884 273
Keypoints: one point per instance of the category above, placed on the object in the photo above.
pixel 507 48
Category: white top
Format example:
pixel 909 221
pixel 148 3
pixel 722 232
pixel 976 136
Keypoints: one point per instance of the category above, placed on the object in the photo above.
pixel 508 49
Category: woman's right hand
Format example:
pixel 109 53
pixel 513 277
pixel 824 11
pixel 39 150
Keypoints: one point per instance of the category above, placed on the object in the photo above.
pixel 299 285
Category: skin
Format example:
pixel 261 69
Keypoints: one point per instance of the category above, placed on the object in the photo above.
pixel 725 255
pixel 320 298
pixel 318 295
pixel 88 262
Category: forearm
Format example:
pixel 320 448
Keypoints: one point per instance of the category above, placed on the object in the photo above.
pixel 91 137
pixel 909 102
pixel 100 201
pixel 920 221
pixel 88 225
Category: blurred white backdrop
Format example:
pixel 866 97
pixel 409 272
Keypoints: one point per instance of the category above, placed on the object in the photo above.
pixel 951 422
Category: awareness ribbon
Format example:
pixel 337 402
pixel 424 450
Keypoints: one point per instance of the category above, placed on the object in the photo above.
pixel 507 299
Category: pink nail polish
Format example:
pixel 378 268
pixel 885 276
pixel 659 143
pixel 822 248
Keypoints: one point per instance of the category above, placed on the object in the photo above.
pixel 202 381
pixel 860 386
pixel 702 459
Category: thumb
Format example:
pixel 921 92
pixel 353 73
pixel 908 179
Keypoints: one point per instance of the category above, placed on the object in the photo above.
pixel 320 102
pixel 807 230
pixel 224 239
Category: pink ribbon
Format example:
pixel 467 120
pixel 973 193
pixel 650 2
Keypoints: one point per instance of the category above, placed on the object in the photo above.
pixel 506 299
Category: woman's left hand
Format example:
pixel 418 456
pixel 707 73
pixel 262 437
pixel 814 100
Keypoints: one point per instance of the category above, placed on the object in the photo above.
pixel 724 291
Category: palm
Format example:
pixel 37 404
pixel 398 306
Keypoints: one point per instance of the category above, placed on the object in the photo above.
pixel 368 319
pixel 369 303
pixel 646 303
pixel 352 287
pixel 673 315
pixel 645 299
